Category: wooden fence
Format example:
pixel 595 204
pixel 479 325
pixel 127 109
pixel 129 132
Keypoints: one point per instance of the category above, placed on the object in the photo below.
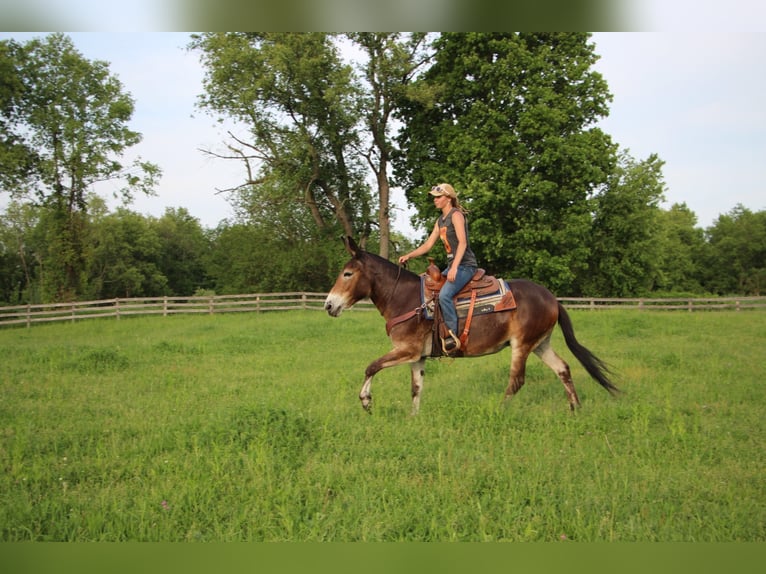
pixel 119 308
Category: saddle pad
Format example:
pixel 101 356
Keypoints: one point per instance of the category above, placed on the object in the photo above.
pixel 500 300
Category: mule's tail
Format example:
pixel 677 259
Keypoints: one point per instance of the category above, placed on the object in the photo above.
pixel 596 367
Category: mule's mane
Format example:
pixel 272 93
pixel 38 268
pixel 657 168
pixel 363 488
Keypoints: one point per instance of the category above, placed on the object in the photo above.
pixel 391 269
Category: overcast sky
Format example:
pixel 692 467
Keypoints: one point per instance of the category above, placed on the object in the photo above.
pixel 693 98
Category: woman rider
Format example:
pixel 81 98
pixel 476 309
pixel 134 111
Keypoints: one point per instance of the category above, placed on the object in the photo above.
pixel 452 229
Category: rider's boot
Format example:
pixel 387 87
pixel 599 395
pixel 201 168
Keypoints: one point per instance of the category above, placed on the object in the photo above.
pixel 450 343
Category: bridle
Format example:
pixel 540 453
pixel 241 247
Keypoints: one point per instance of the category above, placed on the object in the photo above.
pixel 409 314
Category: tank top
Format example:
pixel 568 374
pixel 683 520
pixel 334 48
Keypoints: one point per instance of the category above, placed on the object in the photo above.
pixel 448 236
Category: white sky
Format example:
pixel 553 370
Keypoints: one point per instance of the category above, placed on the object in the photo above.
pixel 694 98
pixel 697 100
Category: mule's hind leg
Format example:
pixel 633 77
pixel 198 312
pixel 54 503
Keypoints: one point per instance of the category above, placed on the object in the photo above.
pixel 560 367
pixel 519 354
pixel 365 395
pixel 418 373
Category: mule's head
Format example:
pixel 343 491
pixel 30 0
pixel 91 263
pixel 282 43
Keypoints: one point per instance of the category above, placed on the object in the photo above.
pixel 353 282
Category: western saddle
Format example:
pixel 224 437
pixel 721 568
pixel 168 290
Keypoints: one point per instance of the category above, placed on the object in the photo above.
pixel 480 285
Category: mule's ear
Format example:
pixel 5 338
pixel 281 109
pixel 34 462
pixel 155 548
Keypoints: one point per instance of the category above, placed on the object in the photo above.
pixel 351 245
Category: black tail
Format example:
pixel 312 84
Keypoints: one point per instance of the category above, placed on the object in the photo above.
pixel 596 367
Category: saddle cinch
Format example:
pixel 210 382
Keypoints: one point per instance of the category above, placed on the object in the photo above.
pixel 482 294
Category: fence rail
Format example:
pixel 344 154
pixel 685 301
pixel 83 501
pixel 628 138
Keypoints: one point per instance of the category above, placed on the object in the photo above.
pixel 262 302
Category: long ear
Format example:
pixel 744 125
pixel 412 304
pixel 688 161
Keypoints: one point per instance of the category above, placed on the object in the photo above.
pixel 351 245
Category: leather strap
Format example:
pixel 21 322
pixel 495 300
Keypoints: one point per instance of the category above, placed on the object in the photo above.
pixel 391 323
pixel 467 328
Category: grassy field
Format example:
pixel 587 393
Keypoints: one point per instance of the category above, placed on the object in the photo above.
pixel 248 427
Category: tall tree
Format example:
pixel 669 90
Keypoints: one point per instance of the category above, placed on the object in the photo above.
pixel 625 252
pixel 184 249
pixel 125 254
pixel 248 259
pixel 681 247
pixel 299 105
pixel 736 258
pixel 16 157
pixel 508 120
pixel 69 126
pixel 19 277
pixel 393 59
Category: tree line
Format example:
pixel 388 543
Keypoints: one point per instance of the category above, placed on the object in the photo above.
pixel 128 254
pixel 509 119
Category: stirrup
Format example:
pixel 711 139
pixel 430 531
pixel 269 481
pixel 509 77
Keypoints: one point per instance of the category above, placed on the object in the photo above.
pixel 450 343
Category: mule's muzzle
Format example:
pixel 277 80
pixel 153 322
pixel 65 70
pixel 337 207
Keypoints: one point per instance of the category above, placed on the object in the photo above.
pixel 333 306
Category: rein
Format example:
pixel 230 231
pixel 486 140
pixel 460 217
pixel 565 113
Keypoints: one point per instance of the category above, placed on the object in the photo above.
pixel 396 283
pixel 391 323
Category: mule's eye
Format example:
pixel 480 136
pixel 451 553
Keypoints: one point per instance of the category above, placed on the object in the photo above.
pixel 347 273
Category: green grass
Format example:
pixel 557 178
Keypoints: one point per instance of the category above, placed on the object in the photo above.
pixel 248 427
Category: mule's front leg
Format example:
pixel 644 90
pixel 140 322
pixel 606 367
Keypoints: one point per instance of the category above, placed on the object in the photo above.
pixel 393 358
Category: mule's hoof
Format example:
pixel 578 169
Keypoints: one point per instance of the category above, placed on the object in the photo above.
pixel 367 404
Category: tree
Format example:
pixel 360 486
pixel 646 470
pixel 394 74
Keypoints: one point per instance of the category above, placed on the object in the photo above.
pixel 736 258
pixel 124 257
pixel 67 127
pixel 625 254
pixel 247 259
pixel 16 158
pixel 508 120
pixel 184 249
pixel 299 104
pixel 393 59
pixel 18 254
pixel 681 247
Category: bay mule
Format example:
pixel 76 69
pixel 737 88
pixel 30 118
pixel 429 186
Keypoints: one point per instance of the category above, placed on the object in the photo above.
pixel 396 293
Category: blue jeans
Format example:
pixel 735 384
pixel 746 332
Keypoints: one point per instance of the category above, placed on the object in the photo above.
pixel 449 290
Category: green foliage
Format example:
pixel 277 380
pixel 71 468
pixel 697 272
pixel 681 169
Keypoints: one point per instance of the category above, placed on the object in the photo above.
pixel 625 254
pixel 18 257
pixel 247 427
pixel 72 115
pixel 247 259
pixel 300 107
pixel 184 251
pixel 507 118
pixel 392 61
pixel 680 248
pixel 130 254
pixel 125 258
pixel 65 122
pixel 508 121
pixel 16 157
pixel 735 261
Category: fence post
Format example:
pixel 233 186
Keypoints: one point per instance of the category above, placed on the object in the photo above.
pixel 29 315
pixel 117 308
pixel 210 305
pixel 165 306
pixel 257 303
pixel 690 305
pixel 304 304
pixel 72 311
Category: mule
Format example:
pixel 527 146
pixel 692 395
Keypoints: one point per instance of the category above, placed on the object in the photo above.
pixel 396 293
